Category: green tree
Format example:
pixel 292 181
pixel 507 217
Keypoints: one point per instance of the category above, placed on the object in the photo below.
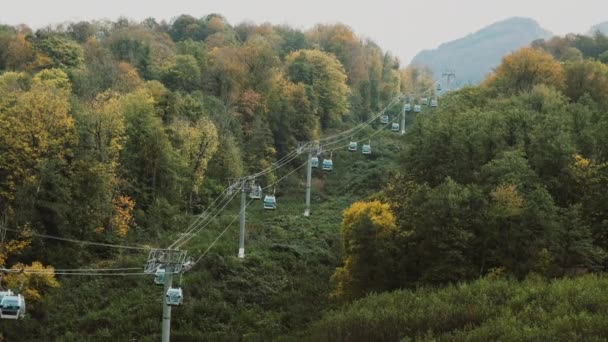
pixel 325 82
pixel 183 74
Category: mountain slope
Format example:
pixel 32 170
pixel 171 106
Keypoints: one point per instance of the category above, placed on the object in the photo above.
pixel 474 56
pixel 602 27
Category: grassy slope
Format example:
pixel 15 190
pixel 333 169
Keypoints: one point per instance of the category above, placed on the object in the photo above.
pixel 280 287
pixel 484 310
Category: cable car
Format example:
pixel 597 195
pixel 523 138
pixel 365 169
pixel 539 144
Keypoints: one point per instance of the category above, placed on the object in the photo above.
pixel 395 127
pixel 159 276
pixel 328 165
pixel 407 107
pixel 366 149
pixel 174 296
pixel 384 119
pixel 352 146
pixel 187 266
pixel 12 307
pixel 438 86
pixel 434 103
pixel 417 109
pixel 256 192
pixel 270 202
pixel 315 162
pixel 425 101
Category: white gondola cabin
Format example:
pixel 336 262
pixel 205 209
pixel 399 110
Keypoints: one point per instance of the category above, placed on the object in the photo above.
pixel 314 161
pixel 366 149
pixel 159 276
pixel 434 103
pixel 256 192
pixel 328 165
pixel 174 296
pixel 384 119
pixel 12 307
pixel 407 107
pixel 438 86
pixel 270 202
pixel 424 101
pixel 395 127
pixel 352 146
pixel 417 109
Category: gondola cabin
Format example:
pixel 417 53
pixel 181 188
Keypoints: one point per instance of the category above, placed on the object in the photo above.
pixel 352 146
pixel 434 103
pixel 12 307
pixel 159 276
pixel 438 87
pixel 256 192
pixel 424 101
pixel 270 202
pixel 175 296
pixel 384 119
pixel 407 107
pixel 417 109
pixel 314 161
pixel 395 127
pixel 366 149
pixel 328 165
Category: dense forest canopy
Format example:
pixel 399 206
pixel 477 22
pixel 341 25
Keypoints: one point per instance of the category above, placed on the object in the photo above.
pixel 118 132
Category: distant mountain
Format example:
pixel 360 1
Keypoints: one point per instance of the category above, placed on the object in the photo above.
pixel 602 27
pixel 475 55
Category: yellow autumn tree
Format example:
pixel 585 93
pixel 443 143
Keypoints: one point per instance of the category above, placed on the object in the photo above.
pixel 524 69
pixel 368 234
pixel 34 127
pixel 506 201
pixel 197 144
pixel 123 214
pixel 31 280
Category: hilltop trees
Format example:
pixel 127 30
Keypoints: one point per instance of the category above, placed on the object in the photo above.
pixel 524 69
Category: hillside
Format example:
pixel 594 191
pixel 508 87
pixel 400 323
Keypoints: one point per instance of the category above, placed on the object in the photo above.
pixel 118 138
pixel 484 310
pixel 474 56
pixel 602 27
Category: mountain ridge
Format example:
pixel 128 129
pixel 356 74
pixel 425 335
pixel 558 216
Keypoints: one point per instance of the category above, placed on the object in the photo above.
pixel 476 54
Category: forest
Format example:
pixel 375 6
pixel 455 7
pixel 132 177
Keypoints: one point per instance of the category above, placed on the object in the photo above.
pixel 487 220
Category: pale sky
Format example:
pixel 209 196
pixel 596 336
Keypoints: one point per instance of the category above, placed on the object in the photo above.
pixel 403 27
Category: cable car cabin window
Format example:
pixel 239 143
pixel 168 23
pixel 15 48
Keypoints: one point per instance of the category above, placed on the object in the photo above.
pixel 5 293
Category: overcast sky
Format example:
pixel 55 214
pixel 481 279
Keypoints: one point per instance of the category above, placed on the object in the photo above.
pixel 403 27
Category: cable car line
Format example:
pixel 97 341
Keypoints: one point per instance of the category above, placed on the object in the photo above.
pixel 101 244
pixel 237 216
